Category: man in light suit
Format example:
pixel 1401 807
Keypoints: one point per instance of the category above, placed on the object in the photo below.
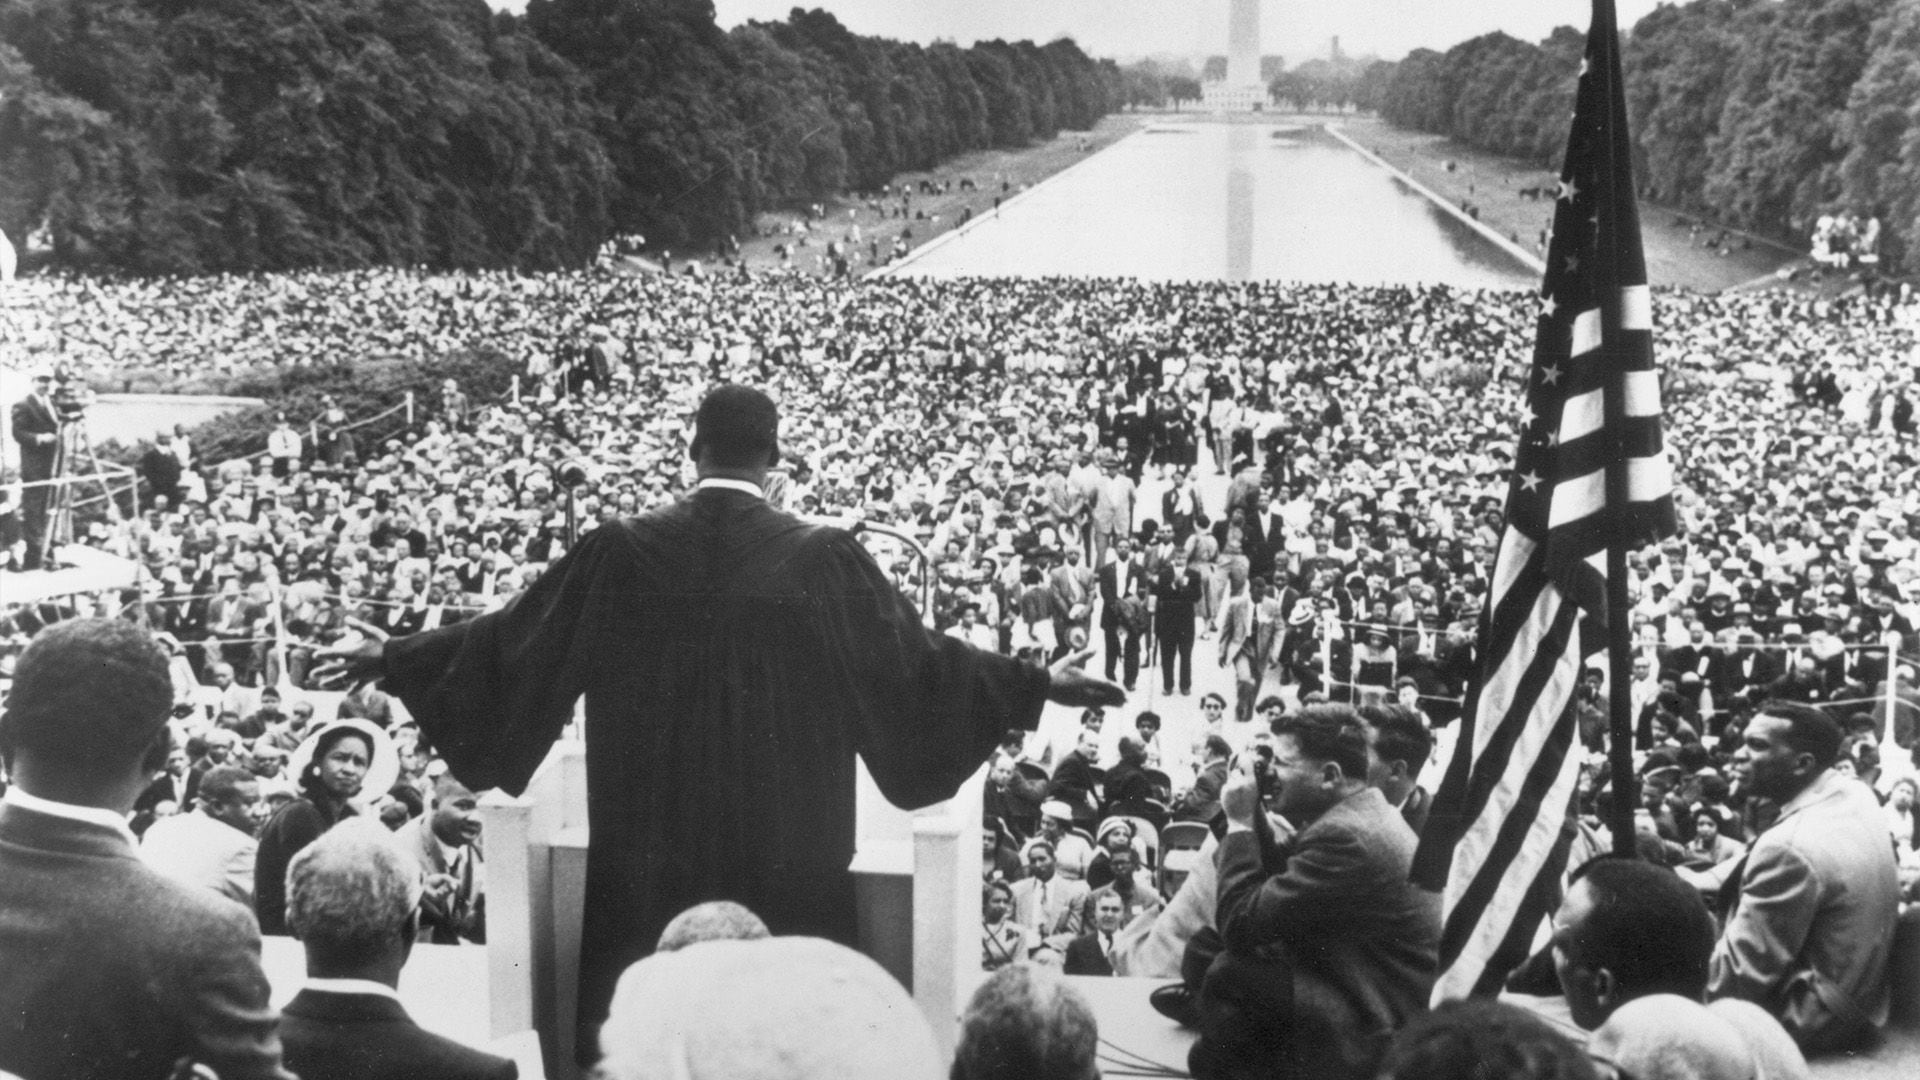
pixel 1240 642
pixel 446 842
pixel 1047 903
pixel 36 427
pixel 108 968
pixel 1112 507
pixel 212 846
pixel 1070 585
pixel 1810 935
pixel 350 899
pixel 1329 947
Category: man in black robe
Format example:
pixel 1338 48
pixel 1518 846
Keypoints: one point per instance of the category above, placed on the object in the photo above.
pixel 734 659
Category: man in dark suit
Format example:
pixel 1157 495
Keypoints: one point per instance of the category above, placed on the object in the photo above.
pixel 108 968
pixel 1073 780
pixel 1176 600
pixel 1201 802
pixel 350 899
pixel 37 429
pixel 1745 672
pixel 1091 952
pixel 1328 947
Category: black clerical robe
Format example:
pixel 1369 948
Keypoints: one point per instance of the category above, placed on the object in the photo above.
pixel 734 659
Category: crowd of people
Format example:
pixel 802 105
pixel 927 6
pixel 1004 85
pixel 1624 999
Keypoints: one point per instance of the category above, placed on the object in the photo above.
pixel 1302 483
pixel 1008 425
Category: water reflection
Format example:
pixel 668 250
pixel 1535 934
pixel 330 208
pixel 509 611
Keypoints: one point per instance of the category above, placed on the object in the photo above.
pixel 1240 222
pixel 1295 205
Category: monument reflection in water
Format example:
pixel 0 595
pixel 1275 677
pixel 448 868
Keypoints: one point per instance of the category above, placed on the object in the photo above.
pixel 1236 202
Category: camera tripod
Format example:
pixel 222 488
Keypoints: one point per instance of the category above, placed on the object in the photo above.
pixel 74 446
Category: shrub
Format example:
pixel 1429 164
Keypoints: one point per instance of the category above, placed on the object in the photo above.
pixel 362 390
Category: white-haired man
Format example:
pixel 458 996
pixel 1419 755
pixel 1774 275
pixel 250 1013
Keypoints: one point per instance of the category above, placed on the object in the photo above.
pixel 352 896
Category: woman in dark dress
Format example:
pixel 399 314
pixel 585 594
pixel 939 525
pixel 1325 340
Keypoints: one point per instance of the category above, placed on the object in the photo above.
pixel 336 763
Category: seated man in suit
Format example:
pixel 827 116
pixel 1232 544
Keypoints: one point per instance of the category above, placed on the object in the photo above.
pixel 1045 902
pixel 1201 802
pixel 351 898
pixel 107 967
pixel 1073 779
pixel 1132 884
pixel 1810 934
pixel 1127 786
pixel 1091 952
pixel 212 846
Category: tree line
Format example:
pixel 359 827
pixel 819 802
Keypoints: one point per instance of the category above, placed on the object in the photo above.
pixel 1759 114
pixel 193 136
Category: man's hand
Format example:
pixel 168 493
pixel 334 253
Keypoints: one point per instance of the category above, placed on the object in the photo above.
pixel 1240 798
pixel 353 661
pixel 1072 685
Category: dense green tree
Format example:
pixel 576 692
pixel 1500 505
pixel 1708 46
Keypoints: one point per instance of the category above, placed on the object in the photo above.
pixel 1676 65
pixel 1881 131
pixel 1774 163
pixel 241 136
pixel 194 135
pixel 1415 97
pixel 1762 114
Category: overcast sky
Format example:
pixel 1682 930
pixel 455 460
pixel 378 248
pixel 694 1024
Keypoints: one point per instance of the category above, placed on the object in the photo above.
pixel 1296 29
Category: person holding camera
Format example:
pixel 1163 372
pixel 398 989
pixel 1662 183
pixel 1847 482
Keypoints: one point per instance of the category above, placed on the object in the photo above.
pixel 1328 947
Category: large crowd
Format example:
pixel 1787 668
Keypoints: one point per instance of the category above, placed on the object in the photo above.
pixel 1301 483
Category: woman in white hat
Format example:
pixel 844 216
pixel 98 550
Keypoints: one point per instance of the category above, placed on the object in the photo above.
pixel 338 762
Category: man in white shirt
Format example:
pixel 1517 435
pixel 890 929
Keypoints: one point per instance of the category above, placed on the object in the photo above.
pixel 283 446
pixel 212 847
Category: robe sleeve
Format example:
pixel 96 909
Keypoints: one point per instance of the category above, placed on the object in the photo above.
pixel 493 693
pixel 923 709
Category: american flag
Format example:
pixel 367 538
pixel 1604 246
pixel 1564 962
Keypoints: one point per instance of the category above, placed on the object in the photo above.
pixel 1497 839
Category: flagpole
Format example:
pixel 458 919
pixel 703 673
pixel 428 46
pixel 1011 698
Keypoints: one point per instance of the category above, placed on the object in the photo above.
pixel 1626 788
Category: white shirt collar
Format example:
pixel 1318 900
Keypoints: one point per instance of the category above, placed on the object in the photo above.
pixel 91 815
pixel 352 986
pixel 730 484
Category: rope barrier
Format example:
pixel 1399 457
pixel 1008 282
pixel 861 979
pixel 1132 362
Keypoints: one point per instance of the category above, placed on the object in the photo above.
pixel 109 471
pixel 312 438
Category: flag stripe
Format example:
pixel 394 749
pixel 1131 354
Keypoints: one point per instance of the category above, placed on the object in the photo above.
pixel 1643 393
pixel 1636 307
pixel 1529 842
pixel 1586 333
pixel 1590 476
